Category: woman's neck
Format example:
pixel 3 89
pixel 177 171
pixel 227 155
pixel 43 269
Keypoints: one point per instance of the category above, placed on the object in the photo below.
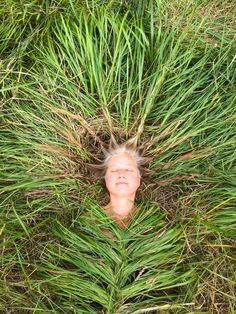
pixel 120 207
pixel 121 210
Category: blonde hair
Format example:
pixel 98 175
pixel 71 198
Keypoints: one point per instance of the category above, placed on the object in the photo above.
pixel 120 149
pixel 130 147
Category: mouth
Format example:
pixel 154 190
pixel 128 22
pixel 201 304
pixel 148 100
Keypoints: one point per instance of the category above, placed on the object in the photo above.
pixel 121 183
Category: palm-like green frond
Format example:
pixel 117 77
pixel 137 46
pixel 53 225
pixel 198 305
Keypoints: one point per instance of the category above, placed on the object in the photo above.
pixel 143 266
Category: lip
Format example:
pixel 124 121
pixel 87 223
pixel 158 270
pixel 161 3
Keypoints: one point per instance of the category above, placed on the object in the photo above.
pixel 122 183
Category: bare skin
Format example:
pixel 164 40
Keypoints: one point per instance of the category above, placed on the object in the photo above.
pixel 122 181
pixel 122 220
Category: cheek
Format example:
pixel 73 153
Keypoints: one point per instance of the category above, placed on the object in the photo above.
pixel 108 180
pixel 138 181
pixel 135 181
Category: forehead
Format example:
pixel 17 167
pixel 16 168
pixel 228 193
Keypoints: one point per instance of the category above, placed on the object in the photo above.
pixel 121 160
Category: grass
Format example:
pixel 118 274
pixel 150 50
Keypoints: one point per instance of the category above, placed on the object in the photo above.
pixel 74 73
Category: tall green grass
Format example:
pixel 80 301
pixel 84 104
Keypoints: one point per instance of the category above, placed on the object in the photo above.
pixel 74 73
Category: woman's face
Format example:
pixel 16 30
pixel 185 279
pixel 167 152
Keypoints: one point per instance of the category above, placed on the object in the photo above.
pixel 122 176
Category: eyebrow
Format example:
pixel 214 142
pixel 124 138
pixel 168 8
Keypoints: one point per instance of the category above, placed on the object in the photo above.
pixel 117 165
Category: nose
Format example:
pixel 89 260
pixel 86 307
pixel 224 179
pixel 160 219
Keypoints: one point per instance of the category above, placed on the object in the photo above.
pixel 121 173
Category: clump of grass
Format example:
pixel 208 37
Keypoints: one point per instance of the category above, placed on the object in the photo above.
pixel 70 77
